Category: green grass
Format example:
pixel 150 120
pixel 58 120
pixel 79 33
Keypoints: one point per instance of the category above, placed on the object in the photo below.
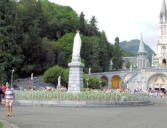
pixel 1 125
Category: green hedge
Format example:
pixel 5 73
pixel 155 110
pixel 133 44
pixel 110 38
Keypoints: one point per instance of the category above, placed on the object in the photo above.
pixel 51 75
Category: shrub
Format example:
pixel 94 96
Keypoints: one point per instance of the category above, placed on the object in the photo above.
pixel 93 82
pixel 65 77
pixel 51 75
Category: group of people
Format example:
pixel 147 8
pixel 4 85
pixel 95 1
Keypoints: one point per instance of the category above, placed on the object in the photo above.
pixel 7 95
pixel 156 93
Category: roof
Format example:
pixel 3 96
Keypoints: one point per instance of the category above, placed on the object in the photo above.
pixel 163 10
pixel 141 46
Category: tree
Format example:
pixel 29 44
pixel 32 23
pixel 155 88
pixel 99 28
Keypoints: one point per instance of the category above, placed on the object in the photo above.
pixel 51 52
pixel 60 20
pixel 65 43
pixel 117 55
pixel 37 34
pixel 92 27
pixel 29 31
pixel 10 52
pixel 82 26
pixel 90 53
pixel 128 65
pixel 104 59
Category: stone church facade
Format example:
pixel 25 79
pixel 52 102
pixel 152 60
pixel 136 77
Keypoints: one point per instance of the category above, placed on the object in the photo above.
pixel 143 77
pixel 139 62
pixel 161 57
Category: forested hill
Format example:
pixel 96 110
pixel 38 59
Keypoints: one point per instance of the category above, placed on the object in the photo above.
pixel 133 46
pixel 38 34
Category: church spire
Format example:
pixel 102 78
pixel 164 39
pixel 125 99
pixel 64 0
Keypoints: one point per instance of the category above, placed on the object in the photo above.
pixel 163 13
pixel 141 46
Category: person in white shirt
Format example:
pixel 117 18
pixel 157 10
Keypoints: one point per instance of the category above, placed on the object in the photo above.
pixel 9 99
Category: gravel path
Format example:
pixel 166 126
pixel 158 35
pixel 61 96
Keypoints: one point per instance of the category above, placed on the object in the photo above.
pixel 65 117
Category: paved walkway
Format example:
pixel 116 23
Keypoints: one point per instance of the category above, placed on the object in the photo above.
pixel 154 116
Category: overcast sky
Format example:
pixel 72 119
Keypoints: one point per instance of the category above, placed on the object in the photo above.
pixel 126 19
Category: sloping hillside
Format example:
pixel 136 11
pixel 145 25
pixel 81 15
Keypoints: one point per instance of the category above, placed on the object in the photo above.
pixel 133 45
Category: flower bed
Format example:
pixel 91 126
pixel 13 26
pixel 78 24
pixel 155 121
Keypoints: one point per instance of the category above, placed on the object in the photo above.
pixel 82 96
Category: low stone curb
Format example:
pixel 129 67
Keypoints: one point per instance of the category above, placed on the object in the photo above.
pixel 6 124
pixel 82 103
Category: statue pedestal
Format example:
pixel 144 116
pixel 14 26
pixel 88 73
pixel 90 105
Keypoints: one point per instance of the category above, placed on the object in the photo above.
pixel 75 83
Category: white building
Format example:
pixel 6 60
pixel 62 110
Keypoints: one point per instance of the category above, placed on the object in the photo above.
pixel 142 60
pixel 161 57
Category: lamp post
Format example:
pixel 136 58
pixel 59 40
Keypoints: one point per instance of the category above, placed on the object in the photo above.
pixel 32 78
pixel 139 85
pixel 100 83
pixel 159 86
pixel 87 79
pixel 12 77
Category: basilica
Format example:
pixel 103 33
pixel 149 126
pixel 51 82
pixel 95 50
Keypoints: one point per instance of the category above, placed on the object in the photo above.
pixel 145 76
pixel 139 62
pixel 160 58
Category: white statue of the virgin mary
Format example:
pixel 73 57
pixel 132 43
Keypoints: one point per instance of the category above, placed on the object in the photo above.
pixel 77 45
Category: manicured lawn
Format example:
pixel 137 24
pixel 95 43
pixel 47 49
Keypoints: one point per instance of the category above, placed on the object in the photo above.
pixel 1 125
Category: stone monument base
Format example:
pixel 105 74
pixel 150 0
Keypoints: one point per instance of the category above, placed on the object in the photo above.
pixel 75 83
